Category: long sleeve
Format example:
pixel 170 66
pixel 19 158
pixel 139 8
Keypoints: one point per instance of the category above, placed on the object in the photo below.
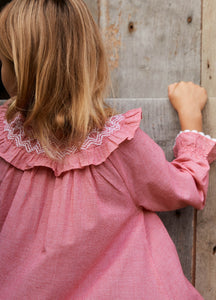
pixel 159 185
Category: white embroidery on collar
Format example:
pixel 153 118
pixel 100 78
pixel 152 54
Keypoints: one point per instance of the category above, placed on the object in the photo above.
pixel 16 132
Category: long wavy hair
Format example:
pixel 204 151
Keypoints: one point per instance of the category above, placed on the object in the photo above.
pixel 61 70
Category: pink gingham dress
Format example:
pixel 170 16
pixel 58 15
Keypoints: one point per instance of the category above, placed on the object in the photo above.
pixel 84 227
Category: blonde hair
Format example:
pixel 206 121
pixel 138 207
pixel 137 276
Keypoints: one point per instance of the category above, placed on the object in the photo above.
pixel 61 69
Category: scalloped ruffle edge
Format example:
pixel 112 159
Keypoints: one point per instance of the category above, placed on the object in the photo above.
pixel 199 132
pixel 95 155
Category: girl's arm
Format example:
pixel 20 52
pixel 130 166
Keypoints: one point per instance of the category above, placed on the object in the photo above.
pixel 159 185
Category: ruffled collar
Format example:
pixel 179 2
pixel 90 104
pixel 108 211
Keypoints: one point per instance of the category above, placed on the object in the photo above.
pixel 25 153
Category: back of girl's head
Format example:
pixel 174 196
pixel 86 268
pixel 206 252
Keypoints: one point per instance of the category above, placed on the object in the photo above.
pixel 60 66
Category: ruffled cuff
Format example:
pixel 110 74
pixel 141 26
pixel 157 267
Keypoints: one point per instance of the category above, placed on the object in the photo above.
pixel 196 144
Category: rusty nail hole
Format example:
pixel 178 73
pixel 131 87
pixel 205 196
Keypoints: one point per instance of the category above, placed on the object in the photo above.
pixel 131 27
pixel 214 250
pixel 178 213
pixel 208 64
pixel 189 20
pixel 210 77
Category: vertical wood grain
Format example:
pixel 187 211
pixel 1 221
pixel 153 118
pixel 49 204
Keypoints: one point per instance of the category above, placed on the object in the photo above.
pixel 206 219
pixel 206 223
pixel 206 244
pixel 209 47
pixel 151 44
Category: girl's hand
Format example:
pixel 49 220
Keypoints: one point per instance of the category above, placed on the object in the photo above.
pixel 189 100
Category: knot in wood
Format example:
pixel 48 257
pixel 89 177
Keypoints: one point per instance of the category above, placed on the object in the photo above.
pixel 131 27
pixel 189 20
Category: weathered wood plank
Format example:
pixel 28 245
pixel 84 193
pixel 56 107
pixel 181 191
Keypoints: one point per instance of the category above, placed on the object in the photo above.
pixel 206 244
pixel 151 44
pixel 209 47
pixel 206 225
pixel 93 7
pixel 206 220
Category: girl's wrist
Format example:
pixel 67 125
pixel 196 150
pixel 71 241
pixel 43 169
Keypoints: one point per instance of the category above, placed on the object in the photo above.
pixel 190 120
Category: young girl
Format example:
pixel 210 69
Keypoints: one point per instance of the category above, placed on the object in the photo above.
pixel 79 185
